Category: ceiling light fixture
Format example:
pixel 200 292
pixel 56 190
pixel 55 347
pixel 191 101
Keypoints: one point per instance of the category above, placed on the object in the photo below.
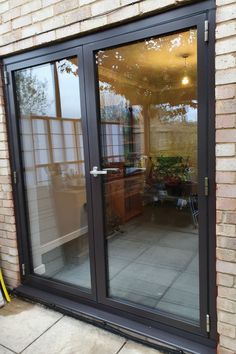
pixel 185 80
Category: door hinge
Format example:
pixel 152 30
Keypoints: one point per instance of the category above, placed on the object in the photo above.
pixel 206 31
pixel 23 268
pixel 208 323
pixel 15 177
pixel 206 186
pixel 6 77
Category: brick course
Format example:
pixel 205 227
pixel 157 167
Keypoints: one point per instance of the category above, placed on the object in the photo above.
pixel 25 24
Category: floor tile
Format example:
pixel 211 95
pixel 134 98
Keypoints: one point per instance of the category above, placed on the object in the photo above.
pixel 187 282
pixel 166 256
pixel 181 297
pixel 193 267
pixel 147 273
pixel 145 234
pixel 76 337
pixel 122 248
pixel 135 348
pixel 144 280
pixel 180 240
pixel 137 298
pixel 181 311
pixel 26 321
pixel 77 274
pixel 116 264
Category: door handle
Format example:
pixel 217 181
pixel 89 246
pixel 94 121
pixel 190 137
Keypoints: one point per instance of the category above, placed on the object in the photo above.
pixel 95 172
pixel 111 169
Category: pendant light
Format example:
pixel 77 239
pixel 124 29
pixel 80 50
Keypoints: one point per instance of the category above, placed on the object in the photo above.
pixel 185 80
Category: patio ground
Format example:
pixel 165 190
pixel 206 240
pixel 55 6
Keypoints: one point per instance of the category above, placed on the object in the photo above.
pixel 31 328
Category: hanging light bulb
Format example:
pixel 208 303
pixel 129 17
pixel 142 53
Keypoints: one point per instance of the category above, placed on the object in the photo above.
pixel 185 80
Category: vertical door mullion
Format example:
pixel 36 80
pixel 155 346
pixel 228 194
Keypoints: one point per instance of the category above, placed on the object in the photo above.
pixel 212 290
pixel 87 153
pixel 91 91
pixel 202 172
pixel 18 188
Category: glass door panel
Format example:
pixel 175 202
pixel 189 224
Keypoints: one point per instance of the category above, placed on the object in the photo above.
pixel 49 112
pixel 149 146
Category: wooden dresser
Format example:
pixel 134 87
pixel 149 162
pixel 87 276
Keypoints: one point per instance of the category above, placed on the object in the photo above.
pixel 124 196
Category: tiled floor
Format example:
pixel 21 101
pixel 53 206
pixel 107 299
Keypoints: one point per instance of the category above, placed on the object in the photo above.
pixel 32 329
pixel 152 262
pixel 160 268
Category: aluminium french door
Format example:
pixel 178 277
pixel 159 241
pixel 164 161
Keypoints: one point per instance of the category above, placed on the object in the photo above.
pixel 51 134
pixel 111 157
pixel 148 126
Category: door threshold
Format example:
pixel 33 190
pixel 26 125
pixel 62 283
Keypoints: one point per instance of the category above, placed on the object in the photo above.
pixel 130 329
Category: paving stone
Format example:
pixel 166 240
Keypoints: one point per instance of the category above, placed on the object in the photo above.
pixel 134 348
pixel 22 322
pixel 5 350
pixel 71 336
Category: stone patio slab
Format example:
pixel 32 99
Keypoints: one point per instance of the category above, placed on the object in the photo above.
pixel 5 350
pixel 134 348
pixel 71 336
pixel 22 322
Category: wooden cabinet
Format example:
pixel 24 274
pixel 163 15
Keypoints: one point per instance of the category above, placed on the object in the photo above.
pixel 124 197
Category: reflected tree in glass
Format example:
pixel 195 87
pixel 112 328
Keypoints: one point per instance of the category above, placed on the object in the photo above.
pixel 31 93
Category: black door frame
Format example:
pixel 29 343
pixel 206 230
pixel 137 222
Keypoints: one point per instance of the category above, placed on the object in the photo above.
pixel 92 91
pixel 163 23
pixel 21 208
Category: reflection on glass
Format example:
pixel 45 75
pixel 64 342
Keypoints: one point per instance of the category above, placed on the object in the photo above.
pixel 149 134
pixel 51 134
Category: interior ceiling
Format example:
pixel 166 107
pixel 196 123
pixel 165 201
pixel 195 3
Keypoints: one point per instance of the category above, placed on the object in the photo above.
pixel 151 71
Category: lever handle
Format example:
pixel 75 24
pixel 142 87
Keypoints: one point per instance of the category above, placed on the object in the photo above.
pixel 111 169
pixel 95 172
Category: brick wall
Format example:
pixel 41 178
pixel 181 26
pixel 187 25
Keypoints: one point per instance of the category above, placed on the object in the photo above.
pixel 25 24
pixel 226 173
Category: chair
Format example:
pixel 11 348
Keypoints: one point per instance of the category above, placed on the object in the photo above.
pixel 193 203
